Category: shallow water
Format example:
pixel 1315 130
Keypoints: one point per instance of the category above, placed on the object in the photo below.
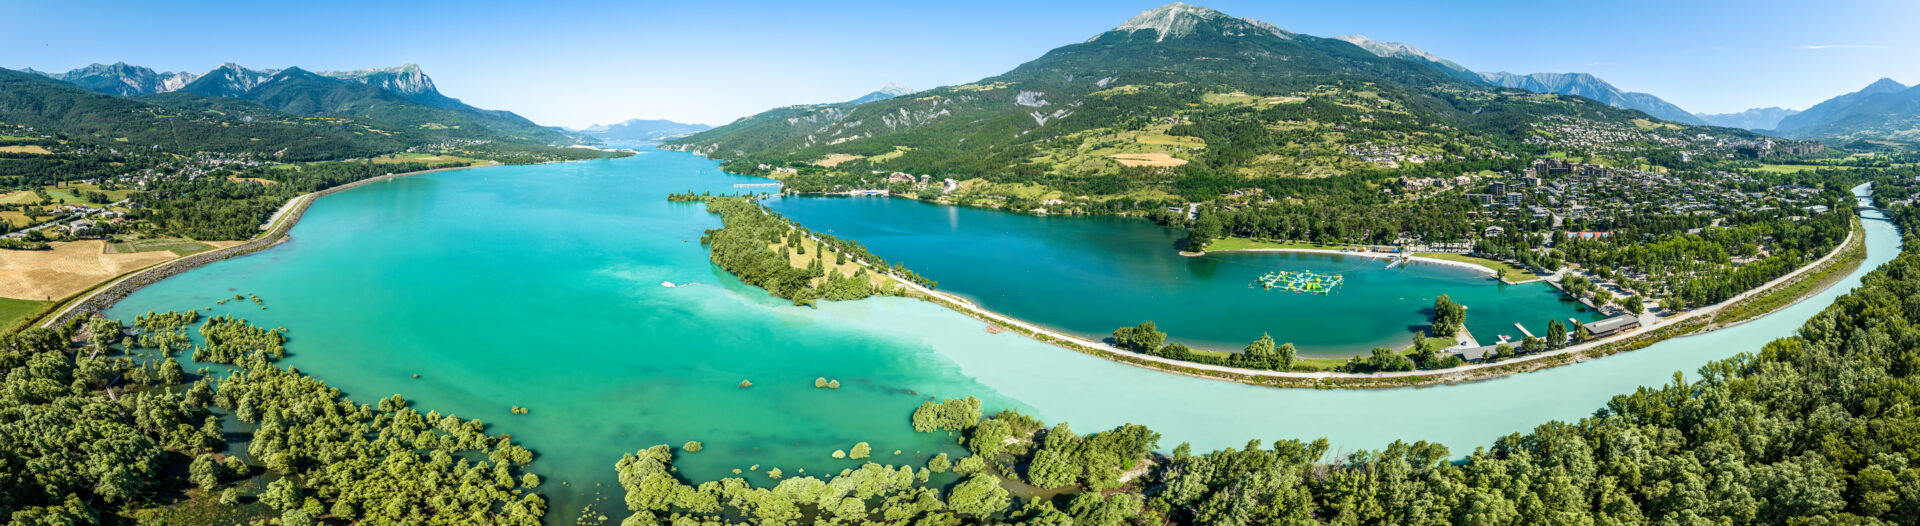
pixel 539 286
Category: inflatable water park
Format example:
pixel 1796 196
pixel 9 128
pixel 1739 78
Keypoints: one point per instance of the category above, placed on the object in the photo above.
pixel 1308 282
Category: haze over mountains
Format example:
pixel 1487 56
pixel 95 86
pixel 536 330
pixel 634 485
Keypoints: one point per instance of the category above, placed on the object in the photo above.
pixel 1579 84
pixel 643 130
pixel 1885 110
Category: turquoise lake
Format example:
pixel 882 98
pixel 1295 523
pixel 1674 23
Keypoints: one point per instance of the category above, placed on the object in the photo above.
pixel 1089 276
pixel 540 286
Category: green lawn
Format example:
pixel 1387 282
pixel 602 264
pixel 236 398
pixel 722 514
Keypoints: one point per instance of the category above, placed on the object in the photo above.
pixel 1785 168
pixel 21 197
pixel 1507 272
pixel 1241 243
pixel 178 246
pixel 14 311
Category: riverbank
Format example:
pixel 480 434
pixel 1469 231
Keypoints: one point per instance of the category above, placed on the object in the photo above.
pixel 99 297
pixel 1803 283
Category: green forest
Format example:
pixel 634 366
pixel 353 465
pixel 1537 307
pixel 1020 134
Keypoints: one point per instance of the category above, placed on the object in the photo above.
pixel 743 246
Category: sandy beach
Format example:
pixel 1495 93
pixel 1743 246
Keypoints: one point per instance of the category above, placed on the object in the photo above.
pixel 1374 255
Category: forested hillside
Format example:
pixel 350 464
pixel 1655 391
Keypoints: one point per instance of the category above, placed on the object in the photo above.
pixel 186 165
pixel 47 106
pixel 1175 106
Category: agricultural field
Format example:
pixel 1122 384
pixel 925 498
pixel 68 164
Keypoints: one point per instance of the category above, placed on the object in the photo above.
pixel 71 193
pixel 1106 149
pixel 20 197
pixel 30 148
pixel 67 269
pixel 1243 98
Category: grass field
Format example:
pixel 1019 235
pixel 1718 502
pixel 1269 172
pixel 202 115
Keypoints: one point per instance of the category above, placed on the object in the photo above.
pixel 834 159
pixel 813 249
pixel 177 246
pixel 1784 168
pixel 1507 272
pixel 69 193
pixel 12 311
pixel 22 197
pixel 17 219
pixel 31 148
pixel 896 153
pixel 1241 243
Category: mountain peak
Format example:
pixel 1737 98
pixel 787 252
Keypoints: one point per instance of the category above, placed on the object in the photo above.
pixel 895 89
pixel 1399 50
pixel 1179 19
pixel 888 91
pixel 406 79
pixel 1883 85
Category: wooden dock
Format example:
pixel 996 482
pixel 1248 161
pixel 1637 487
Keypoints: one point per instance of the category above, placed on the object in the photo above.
pixel 1523 330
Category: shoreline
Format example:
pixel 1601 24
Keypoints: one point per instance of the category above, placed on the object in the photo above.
pixel 1689 322
pixel 1370 255
pixel 98 298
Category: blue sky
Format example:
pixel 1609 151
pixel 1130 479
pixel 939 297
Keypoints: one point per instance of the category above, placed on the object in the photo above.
pixel 573 64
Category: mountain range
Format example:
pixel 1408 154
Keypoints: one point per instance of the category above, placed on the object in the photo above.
pixel 642 130
pixel 1589 86
pixel 120 78
pixel 1751 119
pixel 403 96
pixel 1177 98
pixel 188 123
pixel 1883 111
pixel 1584 85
